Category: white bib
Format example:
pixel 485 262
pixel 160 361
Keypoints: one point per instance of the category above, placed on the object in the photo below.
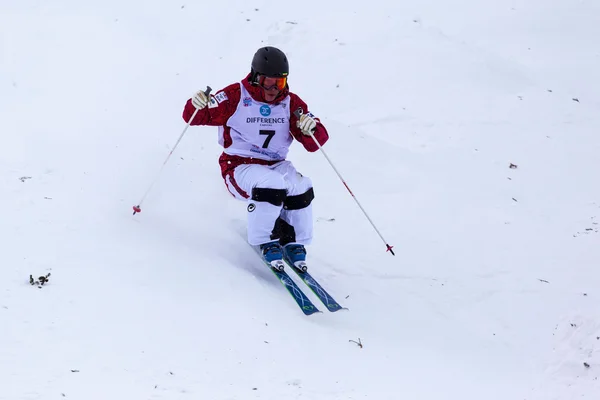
pixel 258 130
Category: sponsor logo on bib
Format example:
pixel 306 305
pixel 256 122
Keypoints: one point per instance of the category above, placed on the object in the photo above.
pixel 265 110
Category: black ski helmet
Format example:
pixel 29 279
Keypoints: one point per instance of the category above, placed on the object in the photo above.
pixel 268 61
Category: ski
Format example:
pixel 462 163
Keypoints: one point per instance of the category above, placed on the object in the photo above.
pixel 307 307
pixel 318 290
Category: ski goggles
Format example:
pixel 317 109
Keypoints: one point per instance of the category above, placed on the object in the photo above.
pixel 270 83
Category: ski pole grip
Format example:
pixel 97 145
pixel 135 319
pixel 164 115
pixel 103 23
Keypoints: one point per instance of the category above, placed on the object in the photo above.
pixel 208 90
pixel 298 113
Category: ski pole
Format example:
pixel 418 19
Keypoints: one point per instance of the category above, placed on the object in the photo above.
pixel 298 113
pixel 137 208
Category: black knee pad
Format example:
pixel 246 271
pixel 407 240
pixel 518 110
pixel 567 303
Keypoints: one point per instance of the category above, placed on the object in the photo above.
pixel 299 201
pixel 273 196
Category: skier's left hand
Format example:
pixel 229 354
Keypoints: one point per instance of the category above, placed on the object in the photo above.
pixel 307 124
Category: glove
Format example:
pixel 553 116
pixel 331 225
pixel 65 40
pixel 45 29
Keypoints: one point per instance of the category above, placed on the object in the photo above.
pixel 200 100
pixel 307 124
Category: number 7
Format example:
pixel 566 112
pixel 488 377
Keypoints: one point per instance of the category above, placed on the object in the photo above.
pixel 270 135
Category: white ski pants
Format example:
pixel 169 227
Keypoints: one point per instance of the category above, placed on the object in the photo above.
pixel 272 192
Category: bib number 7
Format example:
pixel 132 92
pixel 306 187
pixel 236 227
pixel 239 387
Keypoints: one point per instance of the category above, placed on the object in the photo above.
pixel 269 135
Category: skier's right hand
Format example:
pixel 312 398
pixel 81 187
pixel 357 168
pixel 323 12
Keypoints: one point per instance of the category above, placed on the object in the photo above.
pixel 200 100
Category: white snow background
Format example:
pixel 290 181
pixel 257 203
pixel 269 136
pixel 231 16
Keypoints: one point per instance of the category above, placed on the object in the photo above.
pixel 495 289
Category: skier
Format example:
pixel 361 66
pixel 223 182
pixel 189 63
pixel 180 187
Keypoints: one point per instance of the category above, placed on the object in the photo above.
pixel 257 125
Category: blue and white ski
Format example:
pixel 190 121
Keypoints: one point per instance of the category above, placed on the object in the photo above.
pixel 318 290
pixel 307 307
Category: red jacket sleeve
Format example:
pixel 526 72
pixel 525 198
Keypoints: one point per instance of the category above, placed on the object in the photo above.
pixel 221 107
pixel 320 133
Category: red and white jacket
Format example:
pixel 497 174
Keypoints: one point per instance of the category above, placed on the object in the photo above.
pixel 224 104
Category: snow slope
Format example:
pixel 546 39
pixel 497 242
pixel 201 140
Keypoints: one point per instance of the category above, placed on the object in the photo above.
pixel 495 288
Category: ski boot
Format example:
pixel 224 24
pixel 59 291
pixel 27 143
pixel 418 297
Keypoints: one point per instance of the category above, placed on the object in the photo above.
pixel 295 255
pixel 272 255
